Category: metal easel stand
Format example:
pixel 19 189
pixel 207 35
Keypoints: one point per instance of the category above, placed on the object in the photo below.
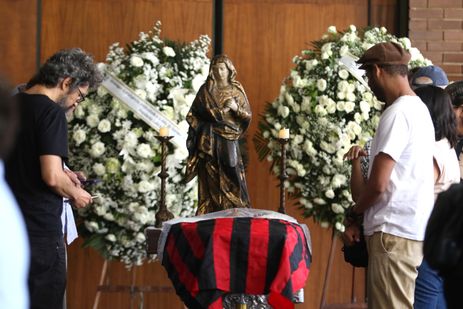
pixel 135 291
pixel 353 304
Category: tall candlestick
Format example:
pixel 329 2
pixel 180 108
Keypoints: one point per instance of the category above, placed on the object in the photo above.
pixel 164 131
pixel 283 176
pixel 283 133
pixel 163 214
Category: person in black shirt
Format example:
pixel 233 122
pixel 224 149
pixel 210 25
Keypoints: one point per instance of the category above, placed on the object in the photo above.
pixel 455 90
pixel 34 170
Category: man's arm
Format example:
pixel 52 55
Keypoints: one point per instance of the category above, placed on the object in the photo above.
pixel 55 177
pixel 377 182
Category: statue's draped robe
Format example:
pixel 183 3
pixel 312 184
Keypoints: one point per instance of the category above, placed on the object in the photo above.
pixel 213 145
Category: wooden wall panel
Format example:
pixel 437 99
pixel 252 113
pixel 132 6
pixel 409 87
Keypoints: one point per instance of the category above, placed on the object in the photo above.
pixel 17 39
pixel 260 36
pixel 94 25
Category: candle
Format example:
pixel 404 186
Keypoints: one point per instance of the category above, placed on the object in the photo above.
pixel 164 131
pixel 283 133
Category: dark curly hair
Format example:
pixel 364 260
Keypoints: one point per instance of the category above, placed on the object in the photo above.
pixel 455 90
pixel 440 108
pixel 73 63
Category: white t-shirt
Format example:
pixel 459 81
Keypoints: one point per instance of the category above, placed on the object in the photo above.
pixel 406 133
pixel 447 161
pixel 14 251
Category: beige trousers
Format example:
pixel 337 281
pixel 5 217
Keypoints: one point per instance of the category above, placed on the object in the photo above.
pixel 392 270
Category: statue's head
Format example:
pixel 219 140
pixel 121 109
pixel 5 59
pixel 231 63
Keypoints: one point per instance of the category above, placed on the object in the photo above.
pixel 222 60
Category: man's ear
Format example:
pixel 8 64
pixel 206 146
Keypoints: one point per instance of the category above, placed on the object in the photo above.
pixel 66 84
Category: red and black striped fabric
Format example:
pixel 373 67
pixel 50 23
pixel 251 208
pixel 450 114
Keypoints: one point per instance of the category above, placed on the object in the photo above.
pixel 209 258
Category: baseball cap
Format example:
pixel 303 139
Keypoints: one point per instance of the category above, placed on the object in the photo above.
pixel 384 53
pixel 430 75
pixel 455 90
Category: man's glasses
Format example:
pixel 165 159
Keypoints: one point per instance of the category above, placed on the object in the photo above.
pixel 81 96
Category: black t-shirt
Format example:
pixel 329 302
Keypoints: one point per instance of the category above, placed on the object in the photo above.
pixel 43 132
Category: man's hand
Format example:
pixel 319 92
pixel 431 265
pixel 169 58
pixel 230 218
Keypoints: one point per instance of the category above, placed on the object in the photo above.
pixel 351 235
pixel 74 177
pixel 81 198
pixel 354 153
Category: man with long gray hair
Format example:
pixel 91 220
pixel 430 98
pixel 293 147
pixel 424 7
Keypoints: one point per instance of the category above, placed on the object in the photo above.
pixel 34 170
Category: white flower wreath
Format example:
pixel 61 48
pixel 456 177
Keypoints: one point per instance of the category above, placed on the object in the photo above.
pixel 326 110
pixel 110 143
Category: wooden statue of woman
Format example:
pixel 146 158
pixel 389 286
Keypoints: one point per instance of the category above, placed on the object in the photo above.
pixel 218 118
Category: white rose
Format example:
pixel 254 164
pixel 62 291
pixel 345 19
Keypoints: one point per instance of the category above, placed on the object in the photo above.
pixel 91 226
pixel 151 57
pixel 79 112
pixel 99 169
pixel 97 149
pixel 331 107
pixel 144 150
pixel 343 74
pixel 340 227
pixel 92 121
pixel 79 136
pixel 337 209
pixel 130 140
pixel 104 126
pixel 112 165
pixel 350 96
pixel 329 194
pixel 319 201
pixel 136 61
pixel 321 84
pixel 364 107
pixel 319 109
pixel 110 237
pixel 338 180
pixel 341 106
pixel 140 237
pixel 352 28
pixel 332 29
pixel 305 105
pixel 168 51
pixel 283 111
pixel 289 99
pixel 349 106
pixel 343 50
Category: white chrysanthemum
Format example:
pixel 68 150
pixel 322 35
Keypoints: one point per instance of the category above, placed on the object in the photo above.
pixel 145 186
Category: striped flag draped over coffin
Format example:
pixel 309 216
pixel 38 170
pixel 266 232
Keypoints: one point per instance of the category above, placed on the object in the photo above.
pixel 209 258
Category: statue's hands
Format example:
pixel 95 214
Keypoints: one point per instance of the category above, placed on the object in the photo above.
pixel 231 104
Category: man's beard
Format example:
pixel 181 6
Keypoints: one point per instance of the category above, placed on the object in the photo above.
pixel 62 102
pixel 377 90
